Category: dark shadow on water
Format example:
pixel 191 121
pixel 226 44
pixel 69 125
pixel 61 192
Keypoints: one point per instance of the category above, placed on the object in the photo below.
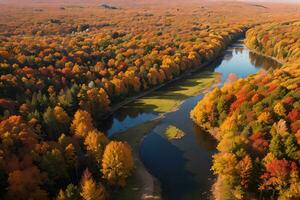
pixel 204 139
pixel 166 162
pixel 227 55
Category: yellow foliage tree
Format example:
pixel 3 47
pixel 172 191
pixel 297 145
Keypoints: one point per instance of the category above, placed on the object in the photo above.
pixel 61 115
pixel 224 163
pixel 244 168
pixel 90 189
pixel 279 109
pixel 265 117
pixel 71 156
pixel 61 195
pixel 95 143
pixel 82 123
pixel 117 162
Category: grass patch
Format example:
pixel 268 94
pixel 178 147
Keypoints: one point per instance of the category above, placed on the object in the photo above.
pixel 174 133
pixel 170 97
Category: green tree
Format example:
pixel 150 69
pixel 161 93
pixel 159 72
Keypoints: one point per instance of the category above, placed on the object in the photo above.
pixel 290 146
pixel 72 192
pixel 51 124
pixel 276 147
pixel 55 165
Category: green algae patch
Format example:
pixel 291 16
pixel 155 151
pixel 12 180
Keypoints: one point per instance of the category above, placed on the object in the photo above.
pixel 170 97
pixel 174 133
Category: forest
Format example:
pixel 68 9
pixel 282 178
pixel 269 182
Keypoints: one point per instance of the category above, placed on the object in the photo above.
pixel 256 121
pixel 66 67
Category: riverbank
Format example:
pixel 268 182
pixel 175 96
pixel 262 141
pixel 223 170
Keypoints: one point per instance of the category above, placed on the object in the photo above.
pixel 264 55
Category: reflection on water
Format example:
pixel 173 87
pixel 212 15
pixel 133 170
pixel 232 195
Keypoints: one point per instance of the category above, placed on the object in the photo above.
pixel 183 166
pixel 263 62
pixel 126 122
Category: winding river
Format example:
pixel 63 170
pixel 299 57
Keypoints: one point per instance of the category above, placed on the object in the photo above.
pixel 183 166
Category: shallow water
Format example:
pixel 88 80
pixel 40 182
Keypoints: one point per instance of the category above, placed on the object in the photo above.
pixel 183 166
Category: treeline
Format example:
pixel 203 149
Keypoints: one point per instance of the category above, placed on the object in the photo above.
pixel 278 40
pixel 257 123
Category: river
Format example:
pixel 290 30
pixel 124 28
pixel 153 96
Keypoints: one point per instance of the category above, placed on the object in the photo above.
pixel 183 166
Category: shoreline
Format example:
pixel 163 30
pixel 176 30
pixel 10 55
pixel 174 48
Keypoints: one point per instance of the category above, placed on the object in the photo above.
pixel 265 55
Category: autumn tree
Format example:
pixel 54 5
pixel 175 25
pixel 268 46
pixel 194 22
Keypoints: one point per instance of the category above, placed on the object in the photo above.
pixel 94 100
pixel 276 176
pixel 56 121
pixel 276 146
pixel 82 123
pixel 22 186
pixel 70 193
pixel 71 157
pixel 61 195
pixel 95 142
pixel 244 169
pixel 90 190
pixel 117 162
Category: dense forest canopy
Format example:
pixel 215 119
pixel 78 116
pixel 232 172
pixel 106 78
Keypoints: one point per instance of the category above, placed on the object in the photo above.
pixel 281 41
pixel 63 66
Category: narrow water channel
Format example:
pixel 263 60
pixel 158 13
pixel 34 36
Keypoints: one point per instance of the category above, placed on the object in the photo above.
pixel 183 166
